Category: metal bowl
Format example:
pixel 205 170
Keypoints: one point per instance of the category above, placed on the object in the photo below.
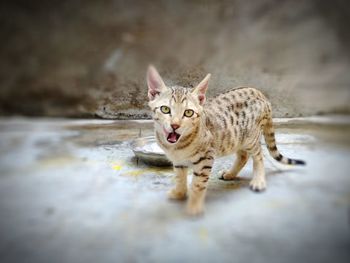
pixel 148 151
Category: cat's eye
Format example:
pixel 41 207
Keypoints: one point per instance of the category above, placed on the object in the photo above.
pixel 165 109
pixel 188 113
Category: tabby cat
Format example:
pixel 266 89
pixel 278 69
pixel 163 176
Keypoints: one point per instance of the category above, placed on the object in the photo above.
pixel 194 131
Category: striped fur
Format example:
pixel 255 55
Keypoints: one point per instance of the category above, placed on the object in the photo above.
pixel 232 122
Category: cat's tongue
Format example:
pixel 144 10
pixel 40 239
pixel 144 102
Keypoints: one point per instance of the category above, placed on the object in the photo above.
pixel 173 137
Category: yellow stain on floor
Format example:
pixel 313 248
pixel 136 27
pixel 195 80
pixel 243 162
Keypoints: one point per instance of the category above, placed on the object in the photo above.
pixel 125 170
pixel 135 172
pixel 54 161
pixel 116 167
pixel 142 171
pixel 203 234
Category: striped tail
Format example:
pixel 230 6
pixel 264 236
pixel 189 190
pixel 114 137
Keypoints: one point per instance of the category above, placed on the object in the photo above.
pixel 269 134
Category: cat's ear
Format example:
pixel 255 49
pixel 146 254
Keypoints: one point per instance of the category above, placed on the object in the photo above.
pixel 155 83
pixel 201 89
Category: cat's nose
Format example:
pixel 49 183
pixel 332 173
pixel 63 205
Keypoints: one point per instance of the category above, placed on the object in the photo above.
pixel 175 126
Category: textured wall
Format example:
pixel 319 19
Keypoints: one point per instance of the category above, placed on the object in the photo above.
pixel 88 58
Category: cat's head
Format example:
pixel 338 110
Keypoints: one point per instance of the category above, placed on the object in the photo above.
pixel 176 110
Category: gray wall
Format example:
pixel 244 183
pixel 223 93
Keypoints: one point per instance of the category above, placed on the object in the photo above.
pixel 89 58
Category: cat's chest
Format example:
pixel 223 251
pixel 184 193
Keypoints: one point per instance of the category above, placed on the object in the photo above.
pixel 184 156
pixel 178 156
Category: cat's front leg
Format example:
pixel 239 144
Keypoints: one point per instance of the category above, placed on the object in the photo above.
pixel 179 192
pixel 201 173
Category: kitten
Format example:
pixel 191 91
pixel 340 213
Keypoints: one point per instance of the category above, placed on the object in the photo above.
pixel 193 132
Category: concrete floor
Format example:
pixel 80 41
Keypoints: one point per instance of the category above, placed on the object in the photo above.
pixel 71 191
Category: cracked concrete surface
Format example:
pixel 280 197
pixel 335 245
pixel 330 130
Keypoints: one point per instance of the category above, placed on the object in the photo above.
pixel 72 191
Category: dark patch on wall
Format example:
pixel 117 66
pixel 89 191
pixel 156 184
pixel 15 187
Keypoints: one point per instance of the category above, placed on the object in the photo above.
pixel 89 58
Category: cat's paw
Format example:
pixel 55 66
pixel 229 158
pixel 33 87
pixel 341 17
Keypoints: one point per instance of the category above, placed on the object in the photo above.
pixel 258 184
pixel 175 194
pixel 227 176
pixel 194 210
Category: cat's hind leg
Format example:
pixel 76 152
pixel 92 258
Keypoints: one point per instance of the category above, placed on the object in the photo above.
pixel 240 162
pixel 258 183
pixel 253 148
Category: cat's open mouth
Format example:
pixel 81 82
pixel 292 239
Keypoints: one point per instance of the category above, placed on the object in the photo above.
pixel 173 137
